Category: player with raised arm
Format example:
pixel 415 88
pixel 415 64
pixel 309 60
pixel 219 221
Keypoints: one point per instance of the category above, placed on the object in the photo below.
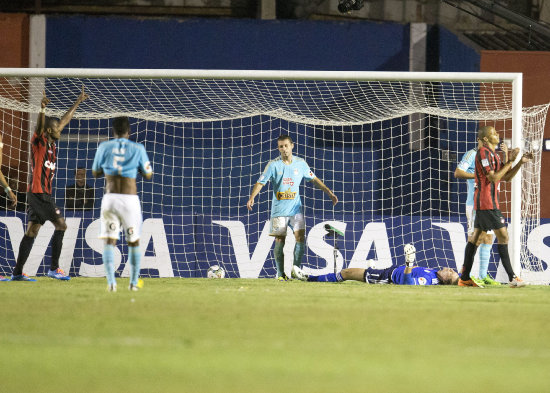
pixel 489 172
pixel 286 173
pixel 120 159
pixel 41 206
pixel 465 170
pixel 407 274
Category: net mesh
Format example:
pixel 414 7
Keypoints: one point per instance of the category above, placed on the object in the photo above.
pixel 387 149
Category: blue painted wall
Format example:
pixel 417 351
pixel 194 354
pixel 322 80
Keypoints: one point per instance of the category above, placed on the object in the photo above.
pixel 116 42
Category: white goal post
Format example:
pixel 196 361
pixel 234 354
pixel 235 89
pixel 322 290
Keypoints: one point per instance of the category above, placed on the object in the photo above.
pixel 348 126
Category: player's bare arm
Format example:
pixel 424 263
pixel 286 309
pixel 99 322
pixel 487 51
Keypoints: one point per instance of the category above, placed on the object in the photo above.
pixel 321 186
pixel 460 174
pixel 70 113
pixel 255 191
pixel 526 157
pixel 495 177
pixel 42 115
pixel 97 173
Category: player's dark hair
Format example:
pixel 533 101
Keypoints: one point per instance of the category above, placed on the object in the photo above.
pixel 50 122
pixel 121 125
pixel 285 137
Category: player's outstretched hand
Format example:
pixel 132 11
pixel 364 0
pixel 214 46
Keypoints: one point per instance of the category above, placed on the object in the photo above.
pixel 45 100
pixel 250 203
pixel 526 157
pixel 334 199
pixel 83 96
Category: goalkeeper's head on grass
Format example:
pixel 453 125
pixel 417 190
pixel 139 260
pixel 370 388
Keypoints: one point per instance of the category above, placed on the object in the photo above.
pixel 286 173
pixel 120 160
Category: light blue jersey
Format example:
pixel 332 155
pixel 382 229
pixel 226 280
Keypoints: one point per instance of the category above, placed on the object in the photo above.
pixel 468 164
pixel 286 181
pixel 121 157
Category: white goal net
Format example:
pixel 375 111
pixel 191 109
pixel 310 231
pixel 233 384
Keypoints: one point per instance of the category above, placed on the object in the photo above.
pixel 387 144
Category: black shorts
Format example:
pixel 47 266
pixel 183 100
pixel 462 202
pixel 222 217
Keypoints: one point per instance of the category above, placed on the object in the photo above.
pixel 489 219
pixel 42 208
pixel 379 276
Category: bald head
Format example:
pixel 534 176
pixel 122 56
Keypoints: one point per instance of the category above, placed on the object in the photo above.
pixel 484 132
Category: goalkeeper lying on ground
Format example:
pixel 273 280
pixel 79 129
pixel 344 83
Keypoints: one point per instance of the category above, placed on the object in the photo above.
pixel 407 274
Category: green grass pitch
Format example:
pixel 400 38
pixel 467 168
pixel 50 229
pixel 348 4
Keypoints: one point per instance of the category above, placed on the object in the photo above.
pixel 236 335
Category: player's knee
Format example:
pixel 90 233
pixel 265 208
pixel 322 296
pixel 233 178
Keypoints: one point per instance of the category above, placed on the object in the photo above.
pixel 133 244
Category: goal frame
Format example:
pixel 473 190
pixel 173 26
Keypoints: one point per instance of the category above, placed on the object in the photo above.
pixel 516 79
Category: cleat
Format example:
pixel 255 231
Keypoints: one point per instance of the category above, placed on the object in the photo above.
pixel 517 283
pixel 468 283
pixel 298 273
pixel 133 287
pixel 478 281
pixel 21 277
pixel 2 278
pixel 111 287
pixel 58 274
pixel 490 281
pixel 282 278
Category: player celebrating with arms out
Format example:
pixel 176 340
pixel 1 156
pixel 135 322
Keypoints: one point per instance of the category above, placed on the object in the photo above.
pixel 119 159
pixel 489 171
pixel 41 206
pixel 286 172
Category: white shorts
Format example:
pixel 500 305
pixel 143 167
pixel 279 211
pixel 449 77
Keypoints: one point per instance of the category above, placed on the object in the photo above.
pixel 471 217
pixel 120 211
pixel 278 225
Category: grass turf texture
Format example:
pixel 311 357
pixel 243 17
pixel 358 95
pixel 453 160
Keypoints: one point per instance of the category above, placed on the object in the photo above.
pixel 232 335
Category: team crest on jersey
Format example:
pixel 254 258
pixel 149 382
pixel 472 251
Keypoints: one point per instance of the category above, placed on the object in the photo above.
pixel 286 195
pixel 485 162
pixel 422 281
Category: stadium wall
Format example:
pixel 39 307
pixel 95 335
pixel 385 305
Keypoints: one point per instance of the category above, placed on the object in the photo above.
pixel 536 91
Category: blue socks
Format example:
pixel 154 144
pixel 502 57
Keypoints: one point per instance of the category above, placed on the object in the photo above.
pixel 484 255
pixel 134 258
pixel 109 263
pixel 299 253
pixel 331 277
pixel 279 258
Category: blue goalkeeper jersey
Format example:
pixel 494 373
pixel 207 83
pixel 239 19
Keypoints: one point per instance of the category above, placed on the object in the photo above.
pixel 419 275
pixel 468 164
pixel 121 157
pixel 286 179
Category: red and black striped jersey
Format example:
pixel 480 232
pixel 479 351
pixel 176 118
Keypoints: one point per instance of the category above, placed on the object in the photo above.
pixel 486 192
pixel 43 161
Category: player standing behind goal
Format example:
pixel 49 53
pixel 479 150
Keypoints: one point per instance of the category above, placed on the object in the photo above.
pixel 465 170
pixel 41 206
pixel 489 172
pixel 286 172
pixel 120 159
pixel 7 190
